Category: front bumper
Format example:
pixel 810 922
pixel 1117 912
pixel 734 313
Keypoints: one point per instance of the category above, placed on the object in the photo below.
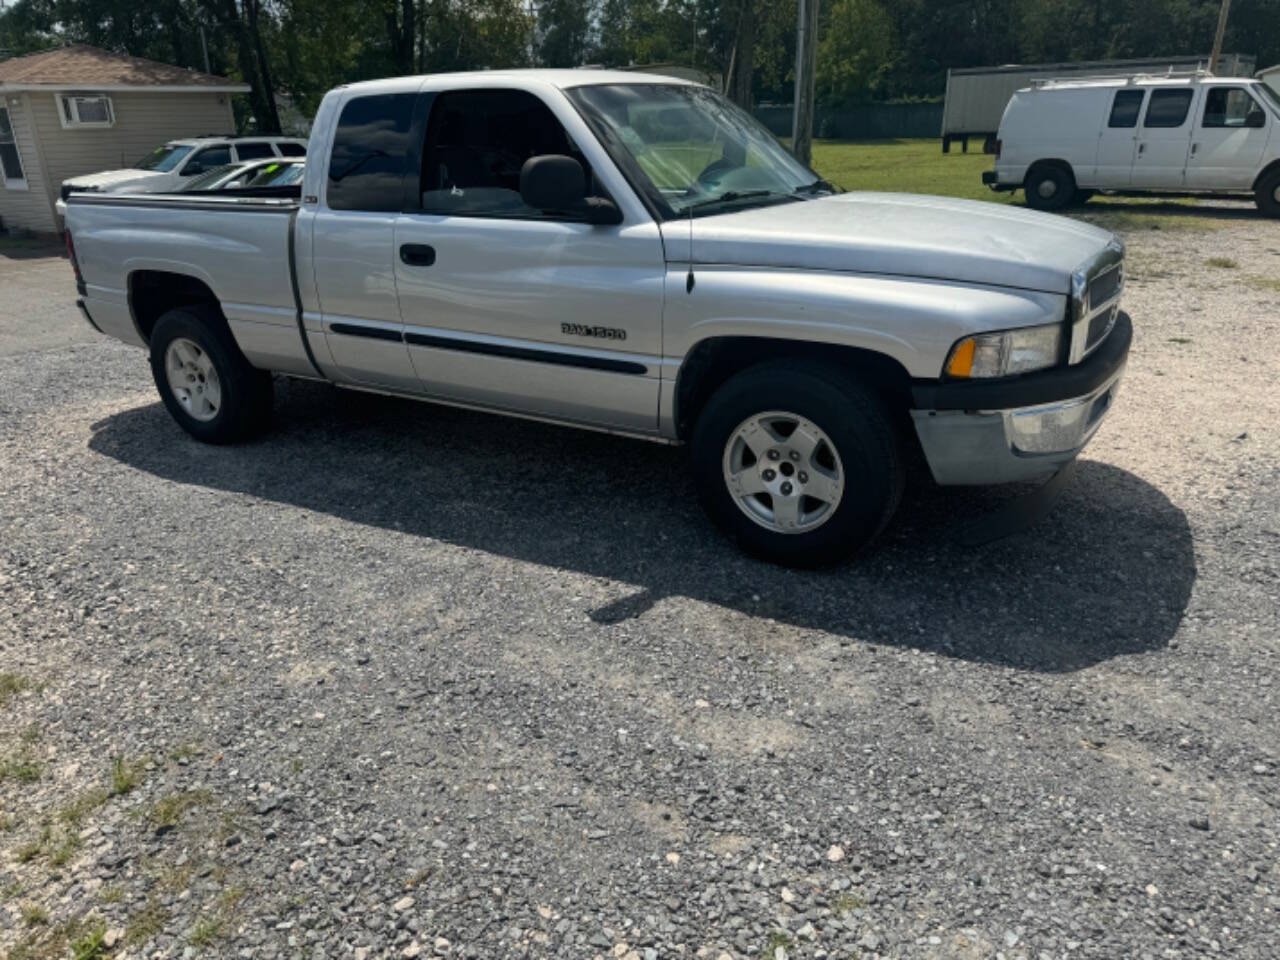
pixel 975 432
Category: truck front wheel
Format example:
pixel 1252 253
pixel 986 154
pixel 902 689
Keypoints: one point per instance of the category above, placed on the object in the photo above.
pixel 797 462
pixel 206 383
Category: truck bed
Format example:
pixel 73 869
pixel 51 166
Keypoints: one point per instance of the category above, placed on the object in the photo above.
pixel 240 247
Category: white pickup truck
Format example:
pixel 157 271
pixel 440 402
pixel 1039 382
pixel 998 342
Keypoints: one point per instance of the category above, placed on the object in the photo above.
pixel 632 254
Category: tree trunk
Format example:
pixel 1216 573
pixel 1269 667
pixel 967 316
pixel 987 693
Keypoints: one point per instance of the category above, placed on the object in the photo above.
pixel 742 61
pixel 269 121
pixel 401 32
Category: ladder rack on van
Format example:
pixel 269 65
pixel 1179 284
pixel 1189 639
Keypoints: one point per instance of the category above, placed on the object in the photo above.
pixel 1128 78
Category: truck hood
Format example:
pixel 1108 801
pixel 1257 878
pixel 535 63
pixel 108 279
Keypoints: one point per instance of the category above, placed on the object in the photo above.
pixel 109 180
pixel 897 234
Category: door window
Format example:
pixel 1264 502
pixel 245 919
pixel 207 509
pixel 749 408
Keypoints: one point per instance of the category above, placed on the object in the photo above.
pixel 288 149
pixel 1126 107
pixel 207 159
pixel 478 141
pixel 367 165
pixel 254 151
pixel 1168 108
pixel 1231 107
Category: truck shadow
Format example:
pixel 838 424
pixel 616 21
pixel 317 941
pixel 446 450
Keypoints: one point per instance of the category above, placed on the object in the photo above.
pixel 1109 573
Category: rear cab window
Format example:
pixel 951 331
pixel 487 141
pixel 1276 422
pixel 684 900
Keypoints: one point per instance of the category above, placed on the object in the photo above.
pixel 1125 108
pixel 1168 108
pixel 370 148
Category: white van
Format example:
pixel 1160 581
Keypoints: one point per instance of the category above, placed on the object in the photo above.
pixel 1062 140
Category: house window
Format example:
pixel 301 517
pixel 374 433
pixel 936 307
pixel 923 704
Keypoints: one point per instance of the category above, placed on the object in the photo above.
pixel 82 111
pixel 11 171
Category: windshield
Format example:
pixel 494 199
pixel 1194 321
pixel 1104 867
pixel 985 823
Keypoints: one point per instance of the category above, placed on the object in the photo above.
pixel 1268 94
pixel 210 179
pixel 692 151
pixel 163 159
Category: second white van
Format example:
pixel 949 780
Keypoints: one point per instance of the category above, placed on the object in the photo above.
pixel 1063 140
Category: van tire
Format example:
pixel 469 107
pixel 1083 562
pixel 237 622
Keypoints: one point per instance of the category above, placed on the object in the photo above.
pixel 834 408
pixel 1267 195
pixel 208 360
pixel 1049 186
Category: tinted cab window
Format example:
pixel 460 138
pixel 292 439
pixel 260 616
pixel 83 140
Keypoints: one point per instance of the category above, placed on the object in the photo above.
pixel 291 149
pixel 370 145
pixel 207 159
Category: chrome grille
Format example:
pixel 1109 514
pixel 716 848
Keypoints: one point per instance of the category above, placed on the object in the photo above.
pixel 1095 299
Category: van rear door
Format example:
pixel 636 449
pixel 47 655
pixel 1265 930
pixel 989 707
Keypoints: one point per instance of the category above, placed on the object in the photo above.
pixel 1118 142
pixel 1164 139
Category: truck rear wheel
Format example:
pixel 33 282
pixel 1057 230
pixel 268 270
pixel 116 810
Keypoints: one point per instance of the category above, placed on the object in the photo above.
pixel 797 462
pixel 206 383
pixel 1267 196
pixel 1049 186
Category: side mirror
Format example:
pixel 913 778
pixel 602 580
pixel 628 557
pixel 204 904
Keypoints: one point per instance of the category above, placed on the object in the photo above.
pixel 553 182
pixel 1255 118
pixel 557 183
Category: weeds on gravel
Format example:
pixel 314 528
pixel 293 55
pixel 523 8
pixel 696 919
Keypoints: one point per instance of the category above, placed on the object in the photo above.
pixel 83 805
pixel 82 939
pixel 846 902
pixel 776 939
pixel 1180 340
pixel 21 768
pixel 1265 283
pixel 34 915
pixel 1222 263
pixel 90 944
pixel 125 776
pixel 12 684
pixel 65 850
pixel 111 894
pixel 205 932
pixel 145 924
pixel 168 810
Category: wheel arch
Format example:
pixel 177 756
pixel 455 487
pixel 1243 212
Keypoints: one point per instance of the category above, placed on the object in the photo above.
pixel 153 293
pixel 1268 170
pixel 1049 162
pixel 711 362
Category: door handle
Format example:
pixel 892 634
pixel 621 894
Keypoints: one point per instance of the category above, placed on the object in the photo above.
pixel 1194 148
pixel 1142 148
pixel 417 254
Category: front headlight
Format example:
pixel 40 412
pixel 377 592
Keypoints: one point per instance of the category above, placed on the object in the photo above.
pixel 1006 353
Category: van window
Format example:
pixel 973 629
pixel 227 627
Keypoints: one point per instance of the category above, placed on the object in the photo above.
pixel 1228 107
pixel 366 168
pixel 477 143
pixel 1126 107
pixel 1168 108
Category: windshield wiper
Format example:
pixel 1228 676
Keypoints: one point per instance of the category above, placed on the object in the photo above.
pixel 729 196
pixel 817 186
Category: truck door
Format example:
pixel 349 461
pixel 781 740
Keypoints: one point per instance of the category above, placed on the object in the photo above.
pixel 352 248
pixel 514 308
pixel 1164 139
pixel 1118 142
pixel 1228 143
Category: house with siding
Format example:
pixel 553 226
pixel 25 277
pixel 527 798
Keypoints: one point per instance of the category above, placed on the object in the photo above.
pixel 76 110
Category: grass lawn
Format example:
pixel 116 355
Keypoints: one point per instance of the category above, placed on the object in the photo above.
pixel 920 166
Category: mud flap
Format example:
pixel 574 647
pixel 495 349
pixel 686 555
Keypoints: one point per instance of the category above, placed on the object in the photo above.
pixel 1016 515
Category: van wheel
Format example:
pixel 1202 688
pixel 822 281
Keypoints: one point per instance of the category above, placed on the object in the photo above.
pixel 797 462
pixel 206 383
pixel 1267 195
pixel 1049 187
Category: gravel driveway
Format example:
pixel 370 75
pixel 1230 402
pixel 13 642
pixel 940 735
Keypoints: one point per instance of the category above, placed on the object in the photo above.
pixel 401 680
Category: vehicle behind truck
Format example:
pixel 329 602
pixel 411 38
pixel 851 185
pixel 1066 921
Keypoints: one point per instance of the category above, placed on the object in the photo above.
pixel 1062 141
pixel 636 255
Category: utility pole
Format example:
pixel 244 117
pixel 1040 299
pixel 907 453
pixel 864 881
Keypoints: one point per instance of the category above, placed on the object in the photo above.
pixel 806 68
pixel 204 45
pixel 1217 39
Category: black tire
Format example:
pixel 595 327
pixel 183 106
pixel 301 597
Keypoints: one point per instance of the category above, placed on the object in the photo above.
pixel 857 425
pixel 1049 186
pixel 1083 196
pixel 243 410
pixel 1267 195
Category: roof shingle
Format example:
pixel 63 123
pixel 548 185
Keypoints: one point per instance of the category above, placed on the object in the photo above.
pixel 81 64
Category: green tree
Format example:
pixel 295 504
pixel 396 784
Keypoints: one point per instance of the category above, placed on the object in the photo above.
pixel 855 52
pixel 563 32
